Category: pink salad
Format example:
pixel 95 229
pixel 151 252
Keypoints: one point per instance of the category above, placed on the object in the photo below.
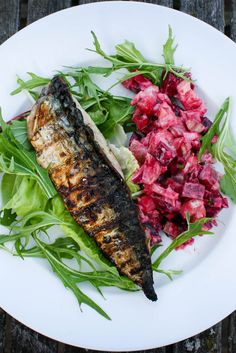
pixel 170 122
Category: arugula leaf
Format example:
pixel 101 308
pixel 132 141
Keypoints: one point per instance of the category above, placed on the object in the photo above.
pixel 128 57
pixel 53 213
pixel 168 49
pixel 9 238
pixel 155 76
pixel 226 141
pixel 214 129
pixel 86 85
pixel 106 71
pixel 7 217
pixel 33 82
pixel 88 246
pixel 68 280
pixel 24 195
pixel 105 110
pixel 168 273
pixel 67 248
pixel 129 53
pixel 194 229
pixel 220 127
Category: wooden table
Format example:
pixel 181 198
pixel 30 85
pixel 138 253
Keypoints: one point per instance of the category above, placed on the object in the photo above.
pixel 17 338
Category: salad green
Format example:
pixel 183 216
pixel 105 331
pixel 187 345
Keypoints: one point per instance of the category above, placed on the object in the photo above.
pixel 225 142
pixel 31 206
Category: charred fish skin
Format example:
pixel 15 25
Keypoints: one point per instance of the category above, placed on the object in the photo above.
pixel 93 191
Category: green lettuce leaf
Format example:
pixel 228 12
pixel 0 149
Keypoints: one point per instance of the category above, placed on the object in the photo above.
pixel 23 194
pixel 16 159
pixel 128 164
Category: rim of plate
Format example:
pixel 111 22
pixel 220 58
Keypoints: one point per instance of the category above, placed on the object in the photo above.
pixel 190 331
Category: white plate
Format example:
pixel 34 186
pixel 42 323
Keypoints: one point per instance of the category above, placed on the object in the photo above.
pixel 206 292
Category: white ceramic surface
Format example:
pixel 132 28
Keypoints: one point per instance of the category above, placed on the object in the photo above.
pixel 206 291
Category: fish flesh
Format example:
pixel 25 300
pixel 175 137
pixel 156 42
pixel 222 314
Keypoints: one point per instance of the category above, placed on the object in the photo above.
pixel 88 178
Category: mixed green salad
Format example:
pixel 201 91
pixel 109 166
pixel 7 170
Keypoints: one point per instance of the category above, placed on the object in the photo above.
pixel 31 206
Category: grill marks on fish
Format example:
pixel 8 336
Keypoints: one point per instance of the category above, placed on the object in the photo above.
pixel 93 191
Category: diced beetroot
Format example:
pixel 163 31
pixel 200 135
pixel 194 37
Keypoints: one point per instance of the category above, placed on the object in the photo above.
pixel 168 195
pixel 206 123
pixel 164 154
pixel 134 136
pixel 207 158
pixel 194 125
pixel 160 147
pixel 218 202
pixel 177 187
pixel 174 166
pixel 170 123
pixel 193 177
pixel 216 186
pixel 178 129
pixel 225 203
pixel 146 204
pixel 137 177
pixel 209 176
pixel 183 147
pixel 164 192
pixel 155 217
pixel 151 170
pixel 188 242
pixel 193 191
pixel 215 204
pixel 191 115
pixel 172 229
pixel 179 178
pixel 166 116
pixel 208 225
pixel 141 120
pixel 146 139
pixel 214 139
pixel 189 98
pixel 152 234
pixel 212 211
pixel 195 208
pixel 196 145
pixel 168 207
pixel 191 164
pixel 215 200
pixel 154 138
pixel 162 97
pixel 191 136
pixel 146 99
pixel 137 83
pixel 169 84
pixel 139 150
pixel 143 216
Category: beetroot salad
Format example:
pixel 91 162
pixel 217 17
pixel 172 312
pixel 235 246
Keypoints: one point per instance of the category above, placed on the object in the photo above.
pixel 170 122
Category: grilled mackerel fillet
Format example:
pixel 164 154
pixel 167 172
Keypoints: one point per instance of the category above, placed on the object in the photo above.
pixel 87 176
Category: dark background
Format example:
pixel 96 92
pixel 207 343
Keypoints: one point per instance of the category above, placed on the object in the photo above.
pixel 17 338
